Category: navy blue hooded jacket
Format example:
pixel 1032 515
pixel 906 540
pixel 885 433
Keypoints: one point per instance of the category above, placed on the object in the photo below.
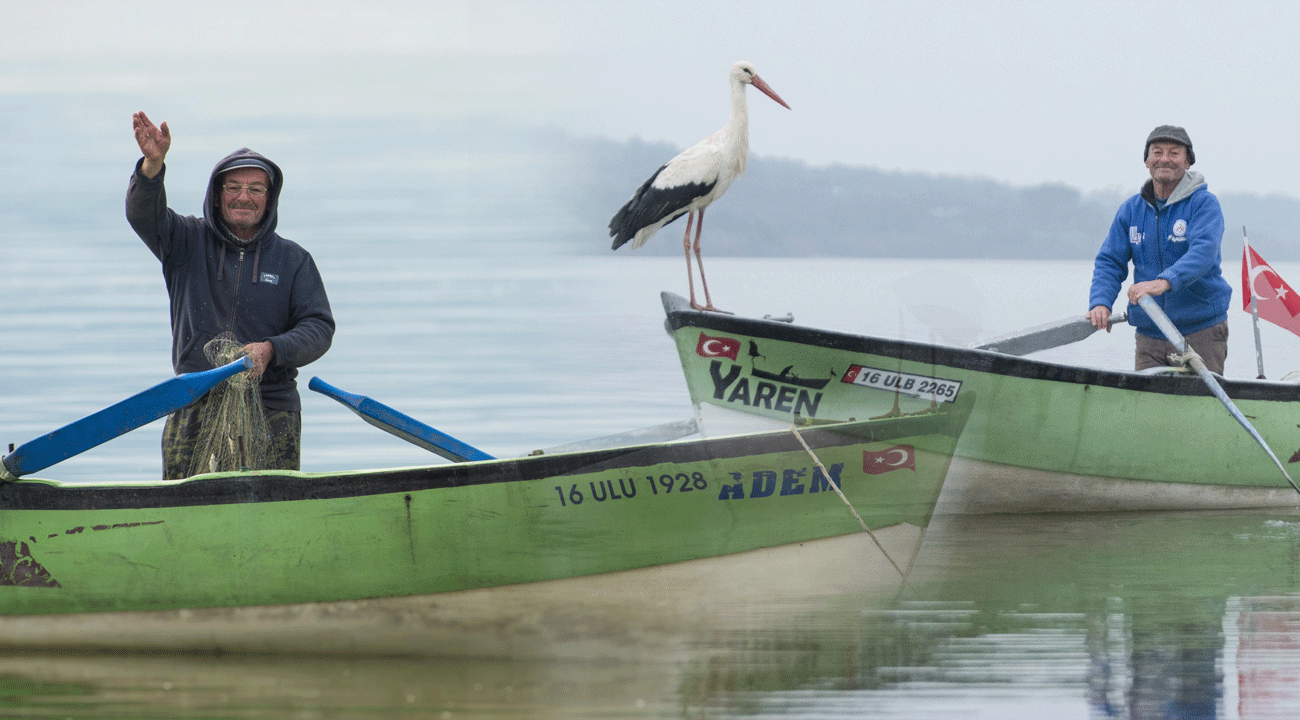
pixel 266 290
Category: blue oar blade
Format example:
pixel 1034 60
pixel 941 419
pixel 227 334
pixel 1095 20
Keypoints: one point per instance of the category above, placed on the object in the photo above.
pixel 403 426
pixel 118 419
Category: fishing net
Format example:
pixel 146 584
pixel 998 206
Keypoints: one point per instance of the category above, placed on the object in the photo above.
pixel 234 433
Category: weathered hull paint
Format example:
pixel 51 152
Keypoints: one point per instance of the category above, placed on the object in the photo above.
pixel 287 538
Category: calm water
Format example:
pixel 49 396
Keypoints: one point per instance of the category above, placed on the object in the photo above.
pixel 1119 615
pixel 1173 615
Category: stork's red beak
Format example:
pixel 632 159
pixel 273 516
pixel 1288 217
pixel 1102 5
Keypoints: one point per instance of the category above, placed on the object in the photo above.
pixel 758 83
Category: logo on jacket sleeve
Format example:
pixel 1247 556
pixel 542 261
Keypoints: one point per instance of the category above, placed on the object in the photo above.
pixel 1180 231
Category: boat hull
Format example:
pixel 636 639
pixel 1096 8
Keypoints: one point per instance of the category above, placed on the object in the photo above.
pixel 655 612
pixel 86 556
pixel 1042 436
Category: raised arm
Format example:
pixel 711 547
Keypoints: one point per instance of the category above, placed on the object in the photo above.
pixel 154 142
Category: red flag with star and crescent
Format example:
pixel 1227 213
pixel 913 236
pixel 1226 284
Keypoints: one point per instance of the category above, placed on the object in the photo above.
pixel 711 347
pixel 1276 301
pixel 875 462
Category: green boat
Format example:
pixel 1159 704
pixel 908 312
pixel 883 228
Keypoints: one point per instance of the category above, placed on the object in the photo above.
pixel 1043 437
pixel 368 560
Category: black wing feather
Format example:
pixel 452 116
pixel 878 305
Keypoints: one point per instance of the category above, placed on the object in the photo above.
pixel 649 205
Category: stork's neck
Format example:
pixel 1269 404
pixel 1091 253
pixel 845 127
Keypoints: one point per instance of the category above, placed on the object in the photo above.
pixel 738 127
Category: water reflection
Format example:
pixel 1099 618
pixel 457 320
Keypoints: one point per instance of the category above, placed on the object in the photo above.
pixel 1267 655
pixel 325 687
pixel 1170 615
pixel 1160 599
pixel 1128 615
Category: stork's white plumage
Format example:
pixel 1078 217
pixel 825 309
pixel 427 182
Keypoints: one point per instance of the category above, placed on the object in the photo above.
pixel 692 180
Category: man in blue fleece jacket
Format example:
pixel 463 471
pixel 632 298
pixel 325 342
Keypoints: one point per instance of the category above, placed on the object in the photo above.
pixel 229 271
pixel 1171 231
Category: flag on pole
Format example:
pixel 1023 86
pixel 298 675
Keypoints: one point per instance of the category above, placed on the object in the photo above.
pixel 1277 302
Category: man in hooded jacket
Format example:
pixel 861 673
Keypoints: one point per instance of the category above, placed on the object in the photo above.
pixel 229 271
pixel 1172 231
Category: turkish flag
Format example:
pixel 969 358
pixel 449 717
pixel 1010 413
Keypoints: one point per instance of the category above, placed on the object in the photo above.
pixel 875 462
pixel 709 347
pixel 1276 301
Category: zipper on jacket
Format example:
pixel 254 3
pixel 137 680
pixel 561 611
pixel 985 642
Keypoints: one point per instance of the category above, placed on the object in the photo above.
pixel 1160 254
pixel 234 311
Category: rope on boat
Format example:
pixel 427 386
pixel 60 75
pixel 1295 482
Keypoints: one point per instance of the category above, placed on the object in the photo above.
pixel 853 510
pixel 1184 359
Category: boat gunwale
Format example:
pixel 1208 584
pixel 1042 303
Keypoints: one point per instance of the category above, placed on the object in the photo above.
pixel 286 485
pixel 681 315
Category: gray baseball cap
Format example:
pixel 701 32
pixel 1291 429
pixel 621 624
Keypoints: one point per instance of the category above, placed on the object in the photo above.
pixel 1170 133
pixel 250 162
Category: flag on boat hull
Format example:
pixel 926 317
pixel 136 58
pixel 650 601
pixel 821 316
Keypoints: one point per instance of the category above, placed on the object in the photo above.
pixel 875 462
pixel 1276 301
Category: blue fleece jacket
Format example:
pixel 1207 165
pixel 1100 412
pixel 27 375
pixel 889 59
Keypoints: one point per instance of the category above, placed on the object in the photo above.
pixel 1179 242
pixel 265 290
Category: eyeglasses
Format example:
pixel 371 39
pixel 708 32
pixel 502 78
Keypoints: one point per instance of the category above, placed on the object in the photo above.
pixel 256 191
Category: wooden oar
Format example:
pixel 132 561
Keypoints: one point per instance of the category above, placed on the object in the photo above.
pixel 136 411
pixel 1044 337
pixel 1176 338
pixel 401 425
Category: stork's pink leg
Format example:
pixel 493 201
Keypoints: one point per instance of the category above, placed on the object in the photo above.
pixel 686 246
pixel 699 260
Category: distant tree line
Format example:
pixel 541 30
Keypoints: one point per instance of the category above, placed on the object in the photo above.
pixel 786 208
pixel 450 186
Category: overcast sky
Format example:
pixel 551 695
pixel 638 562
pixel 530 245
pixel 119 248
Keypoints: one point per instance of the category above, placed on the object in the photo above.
pixel 1025 92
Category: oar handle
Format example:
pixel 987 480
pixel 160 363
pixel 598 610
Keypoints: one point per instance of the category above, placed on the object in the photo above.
pixel 1162 321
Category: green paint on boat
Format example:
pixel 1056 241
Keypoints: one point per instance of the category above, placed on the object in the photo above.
pixel 1042 436
pixel 280 537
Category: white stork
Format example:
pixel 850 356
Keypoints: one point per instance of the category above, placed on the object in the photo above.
pixel 692 180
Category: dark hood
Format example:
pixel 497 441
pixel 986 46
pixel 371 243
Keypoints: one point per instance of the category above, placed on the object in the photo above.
pixel 211 201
